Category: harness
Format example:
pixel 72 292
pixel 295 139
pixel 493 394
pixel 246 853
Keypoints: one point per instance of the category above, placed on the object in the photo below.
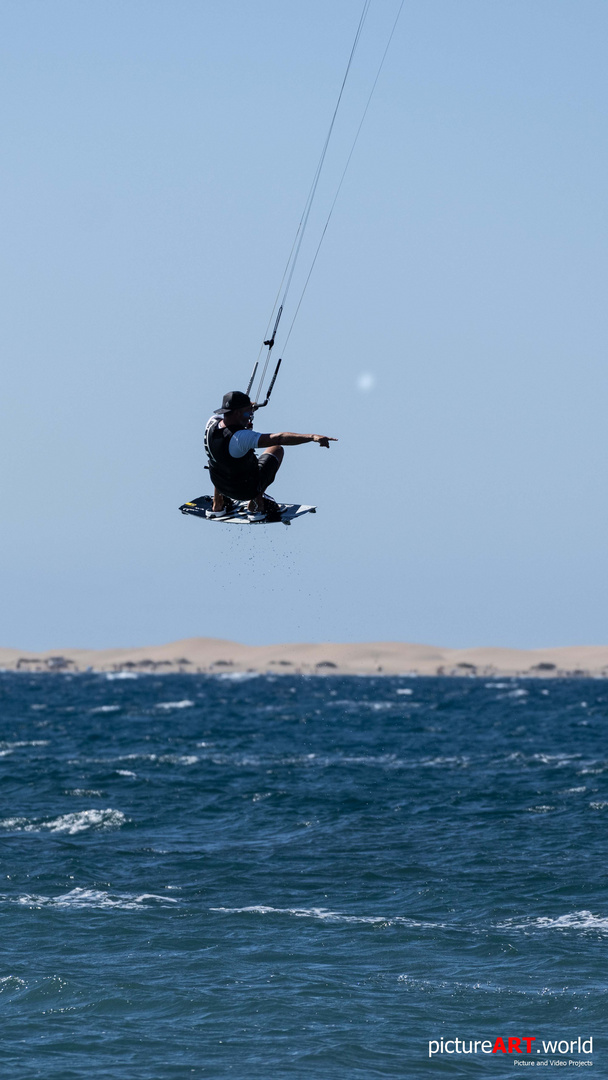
pixel 213 428
pixel 235 477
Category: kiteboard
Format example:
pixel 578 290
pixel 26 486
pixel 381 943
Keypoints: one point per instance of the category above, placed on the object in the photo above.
pixel 285 512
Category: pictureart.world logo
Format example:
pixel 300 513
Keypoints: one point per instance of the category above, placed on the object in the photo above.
pixel 521 1048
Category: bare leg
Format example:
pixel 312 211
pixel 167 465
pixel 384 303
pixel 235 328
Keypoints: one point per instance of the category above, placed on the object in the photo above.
pixel 218 501
pixel 258 503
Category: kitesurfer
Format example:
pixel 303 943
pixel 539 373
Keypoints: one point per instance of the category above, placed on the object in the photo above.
pixel 236 471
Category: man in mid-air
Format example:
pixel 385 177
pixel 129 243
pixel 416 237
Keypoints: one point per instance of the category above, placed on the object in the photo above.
pixel 236 471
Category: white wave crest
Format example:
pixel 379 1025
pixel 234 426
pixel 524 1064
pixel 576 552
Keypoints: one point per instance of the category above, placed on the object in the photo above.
pixel 238 676
pixel 77 822
pixel 327 916
pixel 111 675
pixel 179 759
pixel 106 708
pixel 185 704
pixel 95 898
pixel 558 760
pixel 574 920
pixel 24 742
pixel 11 982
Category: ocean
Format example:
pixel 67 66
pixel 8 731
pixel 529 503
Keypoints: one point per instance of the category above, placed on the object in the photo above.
pixel 302 877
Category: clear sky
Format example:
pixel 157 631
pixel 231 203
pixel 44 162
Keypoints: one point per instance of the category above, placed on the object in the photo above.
pixel 156 159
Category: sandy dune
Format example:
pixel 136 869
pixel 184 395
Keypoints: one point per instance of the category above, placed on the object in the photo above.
pixel 388 658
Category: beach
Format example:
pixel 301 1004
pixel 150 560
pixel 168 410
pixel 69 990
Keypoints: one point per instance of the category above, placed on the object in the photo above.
pixel 202 655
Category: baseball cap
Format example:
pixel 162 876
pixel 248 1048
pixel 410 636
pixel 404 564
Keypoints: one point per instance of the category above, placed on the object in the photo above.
pixel 234 399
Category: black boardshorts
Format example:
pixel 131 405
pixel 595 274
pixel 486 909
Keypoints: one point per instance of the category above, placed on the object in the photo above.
pixel 242 489
pixel 268 465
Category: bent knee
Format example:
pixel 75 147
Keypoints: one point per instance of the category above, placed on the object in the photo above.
pixel 276 451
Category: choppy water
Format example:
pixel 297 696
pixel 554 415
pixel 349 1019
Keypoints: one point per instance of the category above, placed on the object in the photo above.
pixel 298 877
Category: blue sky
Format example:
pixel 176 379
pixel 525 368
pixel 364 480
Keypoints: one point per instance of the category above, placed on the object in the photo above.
pixel 453 336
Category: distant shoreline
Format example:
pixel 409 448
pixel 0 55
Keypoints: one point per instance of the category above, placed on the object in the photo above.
pixel 215 656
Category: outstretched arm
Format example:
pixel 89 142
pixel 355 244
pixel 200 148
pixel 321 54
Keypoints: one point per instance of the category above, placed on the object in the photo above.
pixel 291 438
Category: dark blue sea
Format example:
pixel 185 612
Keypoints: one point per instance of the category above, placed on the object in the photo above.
pixel 302 877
